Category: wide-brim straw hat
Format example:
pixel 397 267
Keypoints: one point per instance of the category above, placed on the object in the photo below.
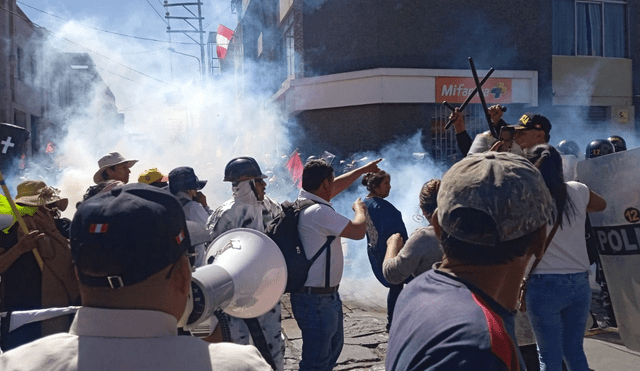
pixel 108 160
pixel 37 193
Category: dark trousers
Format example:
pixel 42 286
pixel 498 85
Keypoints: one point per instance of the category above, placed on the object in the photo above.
pixel 392 298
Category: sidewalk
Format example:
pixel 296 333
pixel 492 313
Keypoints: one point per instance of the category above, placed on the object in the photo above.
pixel 365 343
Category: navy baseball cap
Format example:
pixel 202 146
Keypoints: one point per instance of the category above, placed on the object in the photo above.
pixel 184 178
pixel 123 236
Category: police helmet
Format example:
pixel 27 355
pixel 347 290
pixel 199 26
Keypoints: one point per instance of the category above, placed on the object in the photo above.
pixel 599 147
pixel 618 143
pixel 568 147
pixel 242 168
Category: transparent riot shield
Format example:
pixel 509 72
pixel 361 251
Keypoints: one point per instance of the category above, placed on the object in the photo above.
pixel 616 178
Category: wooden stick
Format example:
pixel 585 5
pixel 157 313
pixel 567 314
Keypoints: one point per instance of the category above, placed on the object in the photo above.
pixel 19 218
pixel 482 100
pixel 473 93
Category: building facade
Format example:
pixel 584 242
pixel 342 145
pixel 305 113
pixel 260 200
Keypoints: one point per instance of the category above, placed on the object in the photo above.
pixel 355 75
pixel 40 87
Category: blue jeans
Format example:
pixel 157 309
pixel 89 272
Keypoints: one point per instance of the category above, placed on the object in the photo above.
pixel 320 320
pixel 558 307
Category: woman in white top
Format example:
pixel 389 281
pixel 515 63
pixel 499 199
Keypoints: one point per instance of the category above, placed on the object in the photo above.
pixel 558 292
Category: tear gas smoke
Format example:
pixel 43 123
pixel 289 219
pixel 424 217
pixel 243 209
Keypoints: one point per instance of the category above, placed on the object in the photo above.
pixel 408 174
pixel 173 118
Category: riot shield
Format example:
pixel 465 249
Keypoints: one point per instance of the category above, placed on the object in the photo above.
pixel 616 177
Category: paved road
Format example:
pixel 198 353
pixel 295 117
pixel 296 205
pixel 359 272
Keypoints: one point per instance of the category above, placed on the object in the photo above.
pixel 366 339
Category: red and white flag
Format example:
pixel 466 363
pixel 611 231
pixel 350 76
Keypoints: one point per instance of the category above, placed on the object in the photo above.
pixel 295 167
pixel 222 39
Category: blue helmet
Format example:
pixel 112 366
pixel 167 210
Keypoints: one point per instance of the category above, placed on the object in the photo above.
pixel 568 147
pixel 599 147
pixel 618 143
pixel 242 168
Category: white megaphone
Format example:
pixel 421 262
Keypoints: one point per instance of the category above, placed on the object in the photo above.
pixel 246 277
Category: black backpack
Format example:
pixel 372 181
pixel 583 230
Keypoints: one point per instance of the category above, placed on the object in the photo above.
pixel 283 230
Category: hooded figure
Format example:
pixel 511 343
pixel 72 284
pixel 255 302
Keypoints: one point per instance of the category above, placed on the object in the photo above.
pixel 249 208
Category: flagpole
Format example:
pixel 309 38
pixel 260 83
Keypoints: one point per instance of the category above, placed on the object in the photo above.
pixel 19 218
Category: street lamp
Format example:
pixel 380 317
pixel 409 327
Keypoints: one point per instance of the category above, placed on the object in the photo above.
pixel 188 55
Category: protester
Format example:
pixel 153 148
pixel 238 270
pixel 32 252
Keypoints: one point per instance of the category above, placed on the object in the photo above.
pixel 185 185
pixel 383 220
pixel 422 249
pixel 558 292
pixel 250 208
pixel 483 141
pixel 99 188
pixel 130 310
pixel 492 213
pixel 113 166
pixel 531 129
pixel 36 268
pixel 153 177
pixel 317 308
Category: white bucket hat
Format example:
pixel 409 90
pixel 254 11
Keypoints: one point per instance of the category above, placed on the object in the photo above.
pixel 108 160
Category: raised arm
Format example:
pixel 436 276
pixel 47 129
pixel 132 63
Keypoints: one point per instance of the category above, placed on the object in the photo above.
pixel 357 227
pixel 345 180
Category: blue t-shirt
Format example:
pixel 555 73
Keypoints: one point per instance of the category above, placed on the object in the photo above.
pixel 443 323
pixel 386 220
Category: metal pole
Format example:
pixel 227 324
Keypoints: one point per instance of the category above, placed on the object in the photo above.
pixel 203 69
pixel 188 55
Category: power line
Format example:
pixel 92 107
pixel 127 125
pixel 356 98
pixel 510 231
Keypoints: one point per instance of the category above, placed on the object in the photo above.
pixel 221 14
pixel 64 38
pixel 104 56
pixel 101 30
pixel 155 10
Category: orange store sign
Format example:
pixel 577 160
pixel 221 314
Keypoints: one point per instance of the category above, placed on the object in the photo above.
pixel 457 89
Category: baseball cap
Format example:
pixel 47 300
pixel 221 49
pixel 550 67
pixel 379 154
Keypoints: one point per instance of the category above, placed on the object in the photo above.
pixel 121 237
pixel 505 186
pixel 184 178
pixel 530 121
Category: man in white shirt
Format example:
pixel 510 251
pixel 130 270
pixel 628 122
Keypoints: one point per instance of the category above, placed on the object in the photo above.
pixel 130 246
pixel 317 307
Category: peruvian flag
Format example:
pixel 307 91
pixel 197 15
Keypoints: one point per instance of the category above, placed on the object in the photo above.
pixel 222 39
pixel 295 167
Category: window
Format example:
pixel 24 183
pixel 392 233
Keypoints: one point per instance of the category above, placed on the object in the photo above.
pixel 289 48
pixel 591 28
pixel 19 69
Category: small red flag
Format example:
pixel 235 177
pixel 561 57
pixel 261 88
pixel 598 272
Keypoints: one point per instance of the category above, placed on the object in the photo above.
pixel 295 167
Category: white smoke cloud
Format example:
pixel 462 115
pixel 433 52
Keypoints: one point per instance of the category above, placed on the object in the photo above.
pixel 172 118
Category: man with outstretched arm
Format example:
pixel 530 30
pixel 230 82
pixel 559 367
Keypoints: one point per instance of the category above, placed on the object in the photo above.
pixel 317 306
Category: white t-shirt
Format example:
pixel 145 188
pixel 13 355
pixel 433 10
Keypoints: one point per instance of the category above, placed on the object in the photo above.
pixel 316 223
pixel 567 252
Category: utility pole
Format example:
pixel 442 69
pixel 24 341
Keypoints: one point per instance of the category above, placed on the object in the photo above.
pixel 188 20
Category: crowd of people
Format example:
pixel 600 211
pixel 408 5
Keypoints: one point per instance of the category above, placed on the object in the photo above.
pixel 508 212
